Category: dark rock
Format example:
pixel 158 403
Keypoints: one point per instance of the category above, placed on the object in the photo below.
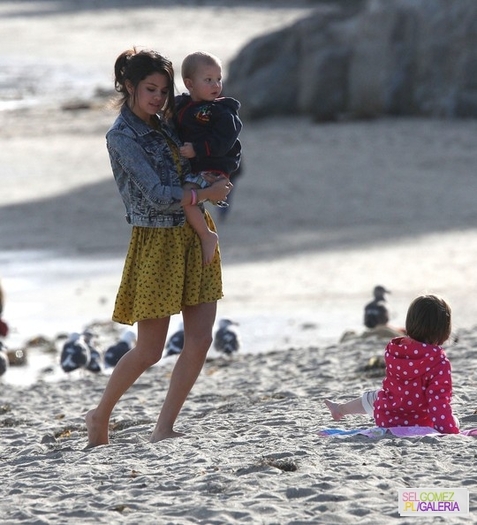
pixel 392 57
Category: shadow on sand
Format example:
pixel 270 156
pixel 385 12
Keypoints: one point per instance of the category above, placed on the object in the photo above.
pixel 89 221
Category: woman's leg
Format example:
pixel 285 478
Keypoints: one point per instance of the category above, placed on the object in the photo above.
pixel 151 338
pixel 198 323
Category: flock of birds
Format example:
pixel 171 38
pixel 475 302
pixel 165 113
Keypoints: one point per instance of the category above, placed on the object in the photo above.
pixel 78 352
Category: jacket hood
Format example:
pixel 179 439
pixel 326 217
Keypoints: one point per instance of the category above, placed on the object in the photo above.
pixel 229 101
pixel 408 359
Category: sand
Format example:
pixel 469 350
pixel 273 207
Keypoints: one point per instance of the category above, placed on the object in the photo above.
pixel 321 215
pixel 252 452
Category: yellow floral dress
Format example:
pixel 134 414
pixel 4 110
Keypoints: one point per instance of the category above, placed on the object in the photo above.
pixel 163 272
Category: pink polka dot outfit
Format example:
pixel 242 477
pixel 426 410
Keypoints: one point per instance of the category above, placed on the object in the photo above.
pixel 417 389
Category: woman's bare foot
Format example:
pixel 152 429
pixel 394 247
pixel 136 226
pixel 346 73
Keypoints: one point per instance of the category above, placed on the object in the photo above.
pixel 334 408
pixel 97 433
pixel 159 436
pixel 209 244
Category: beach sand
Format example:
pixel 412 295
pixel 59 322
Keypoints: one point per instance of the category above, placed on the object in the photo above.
pixel 252 452
pixel 321 215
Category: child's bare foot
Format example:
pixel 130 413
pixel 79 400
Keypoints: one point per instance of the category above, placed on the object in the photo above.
pixel 209 244
pixel 334 408
pixel 159 436
pixel 97 435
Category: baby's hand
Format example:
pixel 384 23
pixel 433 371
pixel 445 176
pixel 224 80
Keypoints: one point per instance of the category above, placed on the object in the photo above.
pixel 187 150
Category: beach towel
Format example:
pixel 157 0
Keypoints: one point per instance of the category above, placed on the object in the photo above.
pixel 376 432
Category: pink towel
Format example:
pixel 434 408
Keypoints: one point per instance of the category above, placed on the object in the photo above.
pixel 375 432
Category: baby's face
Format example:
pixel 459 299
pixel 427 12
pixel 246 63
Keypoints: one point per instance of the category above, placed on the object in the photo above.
pixel 206 85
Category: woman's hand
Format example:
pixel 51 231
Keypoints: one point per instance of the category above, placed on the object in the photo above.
pixel 218 190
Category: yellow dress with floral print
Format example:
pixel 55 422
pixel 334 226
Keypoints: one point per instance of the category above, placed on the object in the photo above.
pixel 163 272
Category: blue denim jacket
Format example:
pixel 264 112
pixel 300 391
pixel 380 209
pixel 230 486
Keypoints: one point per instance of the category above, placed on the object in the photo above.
pixel 145 171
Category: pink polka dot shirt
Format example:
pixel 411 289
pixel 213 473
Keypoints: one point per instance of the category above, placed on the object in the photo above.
pixel 417 389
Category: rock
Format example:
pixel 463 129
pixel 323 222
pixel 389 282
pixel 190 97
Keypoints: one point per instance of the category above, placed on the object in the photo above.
pixel 392 57
pixel 17 357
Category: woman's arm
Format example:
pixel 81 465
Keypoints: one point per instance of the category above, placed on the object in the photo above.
pixel 217 191
pixel 130 163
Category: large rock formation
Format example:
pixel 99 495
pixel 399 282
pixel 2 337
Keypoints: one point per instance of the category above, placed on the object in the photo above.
pixel 394 57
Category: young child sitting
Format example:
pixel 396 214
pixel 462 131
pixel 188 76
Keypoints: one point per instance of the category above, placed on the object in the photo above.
pixel 417 388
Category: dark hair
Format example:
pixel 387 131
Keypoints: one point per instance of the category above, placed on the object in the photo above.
pixel 428 320
pixel 134 66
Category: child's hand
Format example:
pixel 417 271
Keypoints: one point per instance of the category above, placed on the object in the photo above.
pixel 187 150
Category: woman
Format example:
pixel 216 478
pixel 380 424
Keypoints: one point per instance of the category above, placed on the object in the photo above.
pixel 163 272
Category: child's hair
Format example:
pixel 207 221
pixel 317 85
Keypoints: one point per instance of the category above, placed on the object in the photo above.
pixel 428 320
pixel 134 66
pixel 193 61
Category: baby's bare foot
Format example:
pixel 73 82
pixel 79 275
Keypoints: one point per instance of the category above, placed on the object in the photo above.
pixel 97 432
pixel 334 408
pixel 209 244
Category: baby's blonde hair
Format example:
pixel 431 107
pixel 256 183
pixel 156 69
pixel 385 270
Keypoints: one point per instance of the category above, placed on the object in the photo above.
pixel 193 61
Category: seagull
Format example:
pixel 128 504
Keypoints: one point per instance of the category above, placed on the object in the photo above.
pixel 114 353
pixel 226 338
pixel 3 324
pixel 3 359
pixel 75 353
pixel 376 311
pixel 175 343
pixel 94 364
pixel 379 293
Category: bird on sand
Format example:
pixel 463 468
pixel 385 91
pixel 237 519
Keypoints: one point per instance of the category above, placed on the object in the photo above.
pixel 376 311
pixel 226 339
pixel 94 365
pixel 114 353
pixel 3 359
pixel 175 343
pixel 3 324
pixel 75 353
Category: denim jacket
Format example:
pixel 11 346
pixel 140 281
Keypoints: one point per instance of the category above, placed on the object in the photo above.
pixel 145 171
